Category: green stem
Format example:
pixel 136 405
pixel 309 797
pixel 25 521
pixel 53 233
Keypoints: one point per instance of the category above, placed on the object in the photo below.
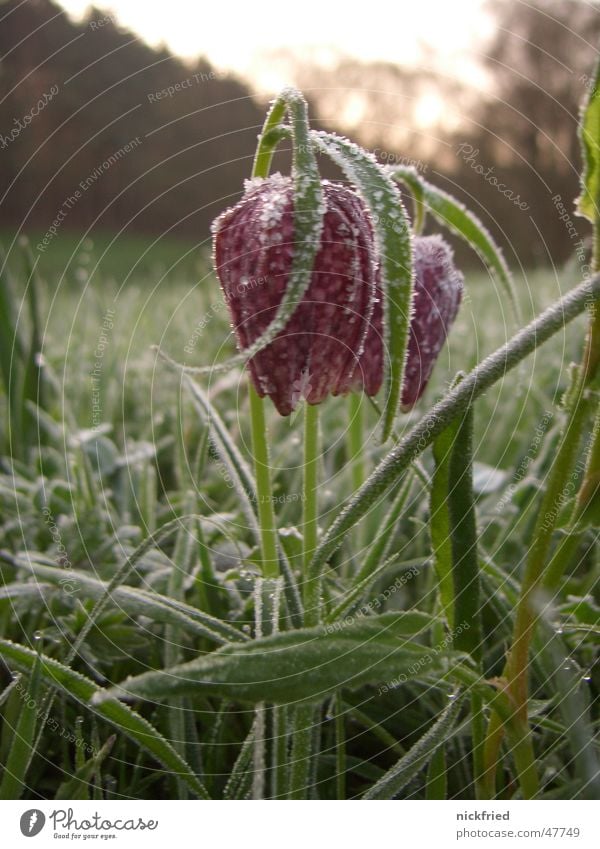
pixel 377 730
pixel 279 751
pixel 478 381
pixel 269 139
pixel 437 781
pixel 355 439
pixel 303 723
pixel 310 512
pixel 491 754
pixel 340 746
pixel 539 571
pixel 355 457
pixel 517 665
pixel 264 492
pixel 477 743
pixel 524 758
pixel 301 751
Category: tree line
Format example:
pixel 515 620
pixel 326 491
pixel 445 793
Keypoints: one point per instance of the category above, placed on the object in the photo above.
pixel 98 129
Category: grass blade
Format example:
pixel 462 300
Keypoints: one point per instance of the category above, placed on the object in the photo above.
pixel 133 601
pixel 23 745
pixel 117 714
pixel 409 766
pixel 481 378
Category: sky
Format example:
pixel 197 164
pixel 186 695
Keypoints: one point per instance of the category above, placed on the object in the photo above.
pixel 254 38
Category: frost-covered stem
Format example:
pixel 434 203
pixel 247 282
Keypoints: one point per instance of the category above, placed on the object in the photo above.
pixel 491 754
pixel 340 746
pixel 269 138
pixel 303 721
pixel 310 516
pixel 354 450
pixel 478 381
pixel 538 570
pixel 591 477
pixel 260 449
pixel 517 664
pixel 279 751
pixel 262 471
pixel 477 742
pixel 355 439
pixel 301 751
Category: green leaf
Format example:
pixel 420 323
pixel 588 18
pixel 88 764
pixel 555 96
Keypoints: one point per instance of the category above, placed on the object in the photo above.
pixel 394 246
pixel 23 745
pixel 133 601
pixel 240 778
pixel 463 535
pixel 13 357
pixel 119 715
pixel 409 766
pixel 488 372
pixel 588 203
pixel 306 665
pixel 464 223
pixel 244 484
pixel 439 522
pixel 29 592
pixel 237 469
pixel 77 786
pixel 384 538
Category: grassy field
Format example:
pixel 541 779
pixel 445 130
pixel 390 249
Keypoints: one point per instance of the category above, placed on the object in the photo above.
pixel 117 448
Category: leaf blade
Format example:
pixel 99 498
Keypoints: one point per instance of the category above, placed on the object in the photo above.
pixel 301 666
pixel 394 246
pixel 122 717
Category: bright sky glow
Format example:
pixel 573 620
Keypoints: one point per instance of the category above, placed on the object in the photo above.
pixel 254 38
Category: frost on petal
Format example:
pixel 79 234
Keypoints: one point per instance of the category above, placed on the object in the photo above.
pixel 333 343
pixel 321 344
pixel 437 297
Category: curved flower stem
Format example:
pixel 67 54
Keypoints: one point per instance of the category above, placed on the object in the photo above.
pixel 264 493
pixel 269 138
pixel 307 227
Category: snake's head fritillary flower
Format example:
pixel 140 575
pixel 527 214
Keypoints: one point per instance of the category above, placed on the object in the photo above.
pixel 319 350
pixel 438 287
pixel 333 343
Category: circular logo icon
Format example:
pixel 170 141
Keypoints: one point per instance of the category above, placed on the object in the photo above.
pixel 32 822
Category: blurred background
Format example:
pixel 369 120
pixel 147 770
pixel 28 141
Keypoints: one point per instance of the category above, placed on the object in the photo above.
pixel 141 119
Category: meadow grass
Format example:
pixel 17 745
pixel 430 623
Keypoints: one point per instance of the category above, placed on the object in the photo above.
pixel 119 448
